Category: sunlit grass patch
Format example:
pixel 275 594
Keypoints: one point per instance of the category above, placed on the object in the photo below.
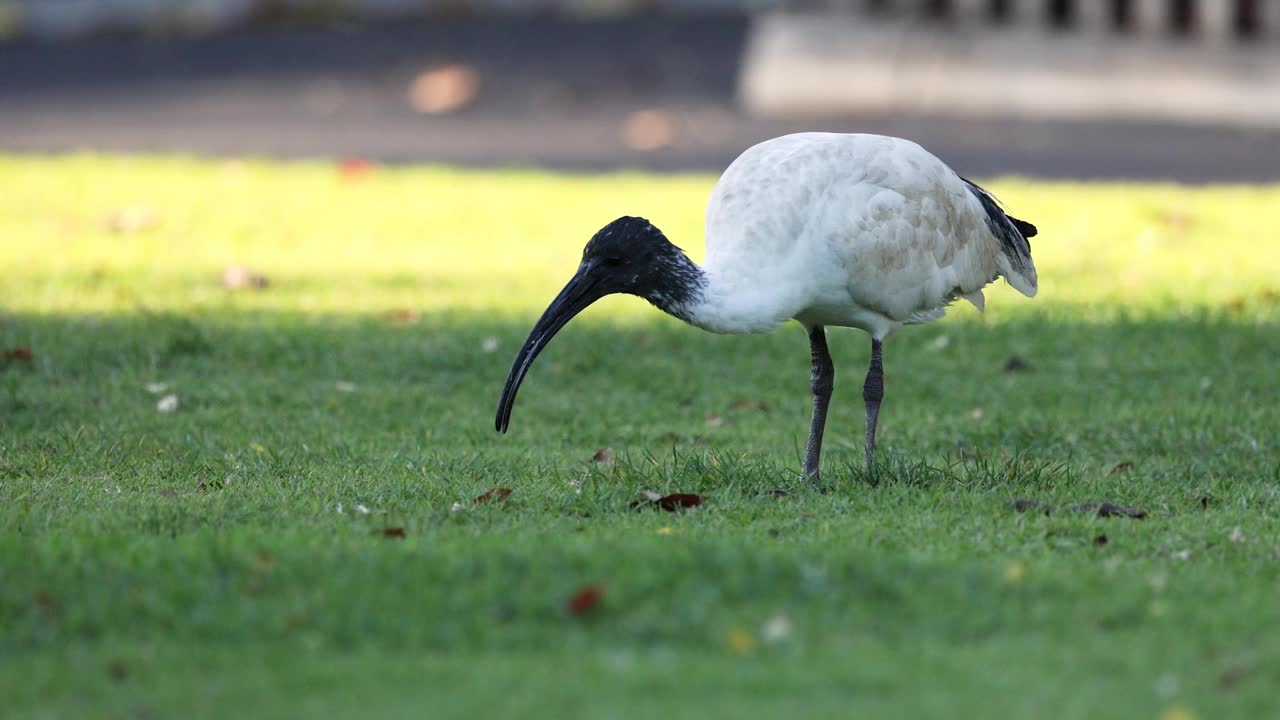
pixel 297 533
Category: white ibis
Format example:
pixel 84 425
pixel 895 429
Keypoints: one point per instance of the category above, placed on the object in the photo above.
pixel 861 231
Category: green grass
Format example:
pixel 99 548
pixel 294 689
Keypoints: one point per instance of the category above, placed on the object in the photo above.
pixel 218 561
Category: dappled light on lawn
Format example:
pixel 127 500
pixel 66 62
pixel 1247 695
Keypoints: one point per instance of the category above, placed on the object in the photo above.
pixel 403 241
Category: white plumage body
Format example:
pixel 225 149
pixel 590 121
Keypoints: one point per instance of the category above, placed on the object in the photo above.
pixel 860 231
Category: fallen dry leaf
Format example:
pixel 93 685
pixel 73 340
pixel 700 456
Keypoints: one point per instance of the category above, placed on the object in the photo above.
pixel 354 169
pixel 1178 712
pixel 404 316
pixel 754 405
pixel 1015 363
pixel 584 600
pixel 132 220
pixel 239 278
pixel 444 89
pixel 391 532
pixel 1025 505
pixel 1119 467
pixel 495 495
pixel 670 503
pixel 649 130
pixel 1104 509
pixel 1107 509
pixel 604 456
pixel 740 642
pixel 22 353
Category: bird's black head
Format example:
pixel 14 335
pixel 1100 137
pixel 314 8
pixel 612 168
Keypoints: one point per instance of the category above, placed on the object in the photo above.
pixel 629 255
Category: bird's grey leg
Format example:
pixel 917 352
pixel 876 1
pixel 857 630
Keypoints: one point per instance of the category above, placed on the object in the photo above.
pixel 872 393
pixel 822 380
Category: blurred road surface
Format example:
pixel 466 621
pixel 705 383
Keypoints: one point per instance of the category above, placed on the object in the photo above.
pixel 652 93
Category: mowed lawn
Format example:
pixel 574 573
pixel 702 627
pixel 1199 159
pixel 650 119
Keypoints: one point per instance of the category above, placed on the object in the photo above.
pixel 299 536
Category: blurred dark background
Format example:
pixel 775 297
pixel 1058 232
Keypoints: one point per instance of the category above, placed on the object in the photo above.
pixel 1176 89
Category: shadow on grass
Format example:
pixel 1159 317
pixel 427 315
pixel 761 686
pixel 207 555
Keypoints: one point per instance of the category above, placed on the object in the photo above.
pixel 1193 389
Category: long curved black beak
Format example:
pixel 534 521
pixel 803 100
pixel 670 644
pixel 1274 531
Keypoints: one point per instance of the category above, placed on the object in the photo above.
pixel 581 291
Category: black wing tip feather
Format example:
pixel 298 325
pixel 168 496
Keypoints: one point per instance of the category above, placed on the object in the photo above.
pixel 1027 229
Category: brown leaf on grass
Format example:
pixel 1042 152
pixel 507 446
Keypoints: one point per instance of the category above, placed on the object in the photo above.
pixel 1120 467
pixel 495 495
pixel 753 405
pixel 1104 509
pixel 670 503
pixel 1107 509
pixel 237 277
pixel 403 316
pixel 391 532
pixel 1231 676
pixel 22 353
pixel 584 600
pixel 444 89
pixel 649 130
pixel 355 169
pixel 1177 219
pixel 132 220
pixel 1025 505
pixel 1016 363
pixel 603 456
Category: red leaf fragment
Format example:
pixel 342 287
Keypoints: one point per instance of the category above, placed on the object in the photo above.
pixel 391 532
pixel 495 495
pixel 353 169
pixel 603 455
pixel 21 353
pixel 583 600
pixel 1104 509
pixel 670 503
